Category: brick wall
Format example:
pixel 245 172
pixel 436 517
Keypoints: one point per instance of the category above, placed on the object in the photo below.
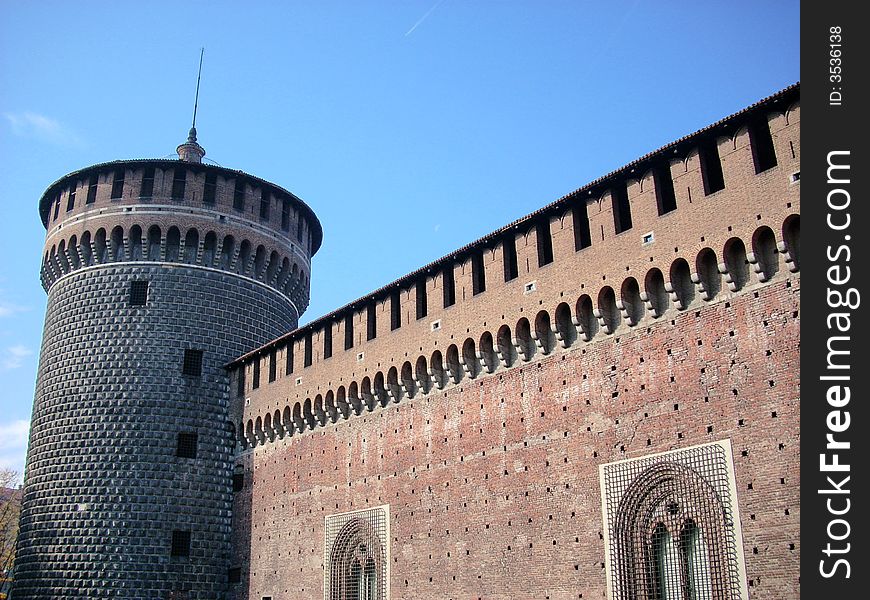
pixel 493 484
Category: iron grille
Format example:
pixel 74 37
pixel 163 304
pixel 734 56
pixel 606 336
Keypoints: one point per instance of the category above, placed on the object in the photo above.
pixel 356 555
pixel 672 526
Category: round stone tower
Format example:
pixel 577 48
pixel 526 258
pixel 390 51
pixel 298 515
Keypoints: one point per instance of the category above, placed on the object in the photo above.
pixel 158 272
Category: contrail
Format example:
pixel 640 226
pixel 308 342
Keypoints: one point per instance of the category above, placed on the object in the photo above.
pixel 423 18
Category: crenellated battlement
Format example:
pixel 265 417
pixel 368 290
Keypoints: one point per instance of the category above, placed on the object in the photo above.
pixel 179 212
pixel 709 216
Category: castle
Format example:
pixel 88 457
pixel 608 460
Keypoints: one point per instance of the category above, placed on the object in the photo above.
pixel 600 399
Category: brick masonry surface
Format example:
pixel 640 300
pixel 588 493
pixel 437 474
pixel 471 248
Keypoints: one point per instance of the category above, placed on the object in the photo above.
pixel 104 488
pixel 493 485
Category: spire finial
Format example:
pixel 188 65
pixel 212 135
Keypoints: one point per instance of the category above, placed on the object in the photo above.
pixel 196 98
pixel 191 151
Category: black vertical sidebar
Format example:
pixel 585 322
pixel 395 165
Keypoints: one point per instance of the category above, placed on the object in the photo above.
pixel 835 368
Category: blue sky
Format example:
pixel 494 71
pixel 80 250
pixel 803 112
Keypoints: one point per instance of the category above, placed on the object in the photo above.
pixel 410 127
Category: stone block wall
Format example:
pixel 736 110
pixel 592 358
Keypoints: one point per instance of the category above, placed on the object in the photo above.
pixel 105 488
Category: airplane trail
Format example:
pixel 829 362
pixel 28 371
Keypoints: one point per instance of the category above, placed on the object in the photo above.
pixel 423 18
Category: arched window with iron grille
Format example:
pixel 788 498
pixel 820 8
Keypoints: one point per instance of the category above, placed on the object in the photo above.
pixel 356 555
pixel 672 526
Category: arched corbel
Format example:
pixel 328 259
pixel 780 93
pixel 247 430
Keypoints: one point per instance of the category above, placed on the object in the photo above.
pixel 602 322
pixel 650 308
pixel 752 259
pixel 787 256
pixel 669 288
pixel 581 330
pixel 702 289
pixel 626 316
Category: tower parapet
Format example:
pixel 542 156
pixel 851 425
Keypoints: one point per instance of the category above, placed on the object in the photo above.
pixel 177 211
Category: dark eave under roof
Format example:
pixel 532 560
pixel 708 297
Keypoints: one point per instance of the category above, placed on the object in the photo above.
pixel 171 163
pixel 778 101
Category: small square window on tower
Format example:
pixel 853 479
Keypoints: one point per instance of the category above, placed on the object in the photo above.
pixel 234 575
pixel 187 443
pixel 138 293
pixel 192 364
pixel 180 543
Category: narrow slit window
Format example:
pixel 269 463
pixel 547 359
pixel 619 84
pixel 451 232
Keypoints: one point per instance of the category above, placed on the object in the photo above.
pixel 239 195
pixel 582 235
pixel 621 208
pixel 192 363
pixel 348 331
pixel 187 444
pixel 71 199
pixel 449 285
pixel 240 382
pixel 118 184
pixel 289 366
pixel 180 543
pixel 265 202
pixel 92 190
pixel 255 379
pixel 179 179
pixel 238 482
pixel 666 199
pixel 509 256
pixel 299 223
pixel 395 311
pixel 147 189
pixel 309 350
pixel 711 167
pixel 138 293
pixel 209 191
pixel 545 243
pixel 371 322
pixel 273 365
pixel 327 341
pixel 478 274
pixel 422 300
pixel 56 206
pixel 285 215
pixel 763 152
